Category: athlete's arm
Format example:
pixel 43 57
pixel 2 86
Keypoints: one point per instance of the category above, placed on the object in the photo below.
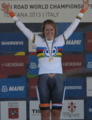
pixel 76 22
pixel 29 34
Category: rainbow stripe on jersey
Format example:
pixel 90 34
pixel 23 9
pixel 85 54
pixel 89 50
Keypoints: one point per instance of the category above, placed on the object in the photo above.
pixel 40 52
pixel 59 53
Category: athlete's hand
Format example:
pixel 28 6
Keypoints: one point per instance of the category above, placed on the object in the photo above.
pixel 6 7
pixel 85 5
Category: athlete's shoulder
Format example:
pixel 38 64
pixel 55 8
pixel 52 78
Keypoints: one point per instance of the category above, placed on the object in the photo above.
pixel 59 40
pixel 39 40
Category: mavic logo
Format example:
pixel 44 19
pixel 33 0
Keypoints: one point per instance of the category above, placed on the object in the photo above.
pixel 89 65
pixel 4 89
pixel 33 65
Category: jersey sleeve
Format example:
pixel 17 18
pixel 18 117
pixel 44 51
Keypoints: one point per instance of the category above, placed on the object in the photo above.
pixel 73 26
pixel 27 32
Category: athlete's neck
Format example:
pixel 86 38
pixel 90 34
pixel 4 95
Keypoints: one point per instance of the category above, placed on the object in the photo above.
pixel 48 40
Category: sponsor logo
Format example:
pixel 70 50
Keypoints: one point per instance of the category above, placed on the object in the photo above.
pixel 12 88
pixel 13 113
pixel 4 89
pixel 33 65
pixel 72 112
pixel 90 89
pixel 73 42
pixel 35 111
pixel 31 76
pixel 12 64
pixel 89 61
pixel 90 41
pixel 33 85
pixel 89 86
pixel 16 88
pixel 12 43
pixel 72 107
pixel 72 64
pixel 90 109
pixel 89 65
pixel 13 110
pixel 54 52
pixel 73 87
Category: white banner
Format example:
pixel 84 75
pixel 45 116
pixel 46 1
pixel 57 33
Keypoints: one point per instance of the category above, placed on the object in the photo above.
pixel 38 11
pixel 34 111
pixel 13 110
pixel 73 109
pixel 89 86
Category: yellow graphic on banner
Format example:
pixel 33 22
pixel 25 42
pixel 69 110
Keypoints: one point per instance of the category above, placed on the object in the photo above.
pixel 20 53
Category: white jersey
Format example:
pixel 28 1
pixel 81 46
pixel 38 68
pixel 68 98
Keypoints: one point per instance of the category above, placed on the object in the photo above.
pixel 42 50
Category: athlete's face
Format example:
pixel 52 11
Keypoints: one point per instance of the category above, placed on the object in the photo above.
pixel 49 32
